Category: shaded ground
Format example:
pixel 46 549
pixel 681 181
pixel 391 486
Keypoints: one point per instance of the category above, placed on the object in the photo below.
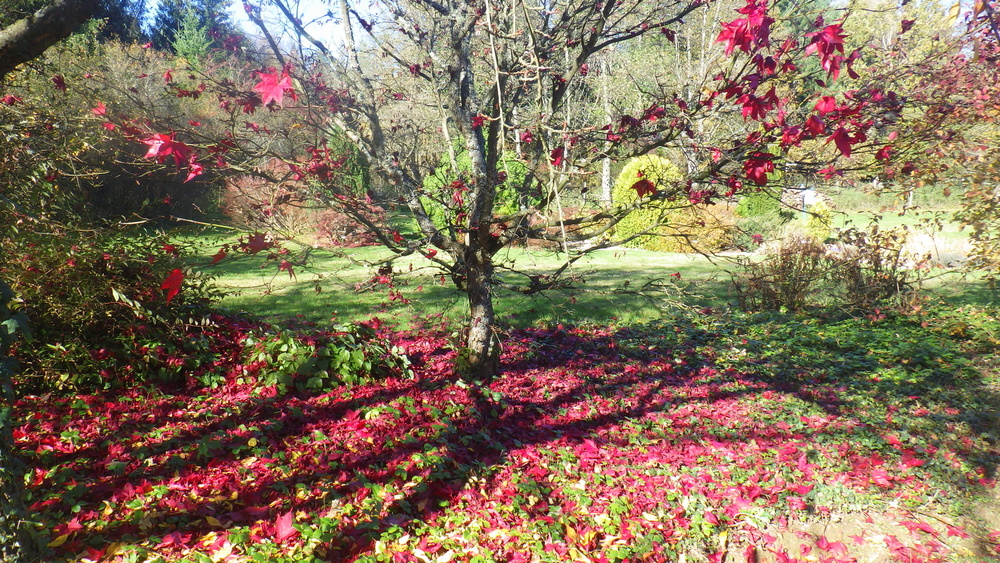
pixel 712 438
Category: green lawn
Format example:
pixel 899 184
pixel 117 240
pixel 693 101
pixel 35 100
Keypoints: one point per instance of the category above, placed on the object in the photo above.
pixel 336 284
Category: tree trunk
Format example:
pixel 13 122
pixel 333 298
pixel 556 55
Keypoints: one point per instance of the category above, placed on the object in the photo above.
pixel 482 343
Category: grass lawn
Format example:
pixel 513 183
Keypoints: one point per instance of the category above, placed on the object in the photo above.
pixel 335 284
pixel 327 287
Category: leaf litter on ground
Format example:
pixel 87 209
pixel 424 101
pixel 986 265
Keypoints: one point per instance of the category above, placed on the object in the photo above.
pixel 706 439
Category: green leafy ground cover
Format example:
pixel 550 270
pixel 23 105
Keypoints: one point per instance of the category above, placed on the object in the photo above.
pixel 705 437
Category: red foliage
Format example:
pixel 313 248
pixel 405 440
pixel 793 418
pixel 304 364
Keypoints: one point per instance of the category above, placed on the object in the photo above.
pixel 173 283
pixel 273 87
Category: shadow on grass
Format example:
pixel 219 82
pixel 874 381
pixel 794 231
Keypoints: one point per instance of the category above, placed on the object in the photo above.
pixel 364 462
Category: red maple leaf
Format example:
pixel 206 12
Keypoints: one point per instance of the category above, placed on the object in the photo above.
pixel 815 125
pixel 162 145
pixel 826 104
pixel 283 528
pixel 644 187
pixel 59 82
pixel 884 153
pixel 255 243
pixel 751 32
pixel 478 120
pixel 219 256
pixel 287 267
pixel 826 43
pixel 758 166
pixel 173 283
pixel 272 87
pixel 843 140
pixel 100 109
pixel 556 156
pixel 176 539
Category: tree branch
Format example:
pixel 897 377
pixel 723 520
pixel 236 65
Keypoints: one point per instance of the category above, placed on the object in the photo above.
pixel 28 38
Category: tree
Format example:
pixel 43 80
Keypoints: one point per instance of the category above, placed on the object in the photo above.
pixel 20 42
pixel 495 77
pixel 505 73
pixel 171 15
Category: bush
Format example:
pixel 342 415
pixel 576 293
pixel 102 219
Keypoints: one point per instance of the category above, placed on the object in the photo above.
pixel 674 227
pixel 336 228
pixel 515 190
pixel 659 172
pixel 863 269
pixel 819 221
pixel 761 218
pixel 765 202
pixel 96 303
pixel 319 360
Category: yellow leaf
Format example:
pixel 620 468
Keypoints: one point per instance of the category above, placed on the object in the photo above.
pixel 571 534
pixel 58 541
pixel 112 550
pixel 252 442
pixel 212 521
pixel 225 551
pixel 953 14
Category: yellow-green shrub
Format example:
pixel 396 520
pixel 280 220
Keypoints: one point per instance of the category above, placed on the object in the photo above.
pixel 661 173
pixel 679 226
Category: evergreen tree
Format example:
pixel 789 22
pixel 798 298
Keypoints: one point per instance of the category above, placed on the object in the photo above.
pixel 191 40
pixel 170 14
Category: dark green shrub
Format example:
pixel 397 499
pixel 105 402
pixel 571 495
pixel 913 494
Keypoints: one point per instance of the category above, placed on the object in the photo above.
pixel 761 217
pixel 97 304
pixel 312 360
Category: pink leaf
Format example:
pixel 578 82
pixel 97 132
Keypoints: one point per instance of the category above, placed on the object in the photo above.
pixel 283 528
pixel 272 87
pixel 914 526
pixel 194 169
pixel 162 145
pixel 957 532
pixel 100 109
